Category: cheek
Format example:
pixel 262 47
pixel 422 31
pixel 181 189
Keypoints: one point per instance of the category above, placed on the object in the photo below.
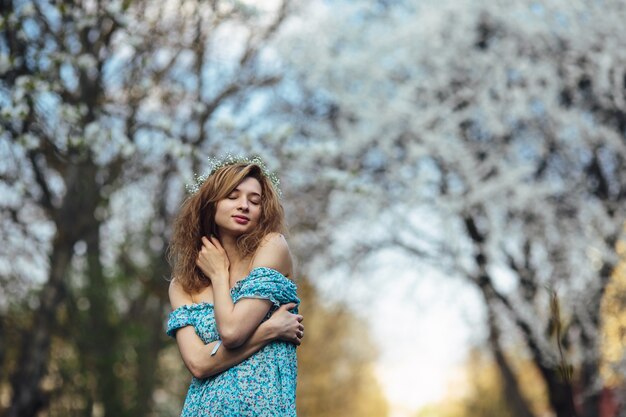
pixel 224 205
pixel 257 214
pixel 221 209
pixel 218 210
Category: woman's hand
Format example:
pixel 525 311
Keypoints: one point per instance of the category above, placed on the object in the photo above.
pixel 212 259
pixel 287 326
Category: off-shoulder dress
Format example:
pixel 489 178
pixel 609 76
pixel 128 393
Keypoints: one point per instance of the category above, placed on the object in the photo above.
pixel 262 385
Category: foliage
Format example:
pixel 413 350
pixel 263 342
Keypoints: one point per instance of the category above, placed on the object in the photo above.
pixel 106 109
pixel 502 122
pixel 481 391
pixel 335 362
pixel 614 325
pixel 494 131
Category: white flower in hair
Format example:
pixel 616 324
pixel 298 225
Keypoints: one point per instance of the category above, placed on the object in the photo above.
pixel 230 159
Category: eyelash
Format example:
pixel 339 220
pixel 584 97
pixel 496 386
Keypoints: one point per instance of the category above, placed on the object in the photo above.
pixel 232 197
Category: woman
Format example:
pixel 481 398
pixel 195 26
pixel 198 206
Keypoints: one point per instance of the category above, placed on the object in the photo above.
pixel 230 263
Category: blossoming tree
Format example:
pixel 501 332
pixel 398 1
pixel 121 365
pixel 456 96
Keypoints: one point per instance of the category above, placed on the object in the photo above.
pixel 503 122
pixel 107 108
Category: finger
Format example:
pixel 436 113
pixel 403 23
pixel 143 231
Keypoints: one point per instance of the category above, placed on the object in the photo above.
pixel 299 318
pixel 288 306
pixel 216 242
pixel 205 241
pixel 301 328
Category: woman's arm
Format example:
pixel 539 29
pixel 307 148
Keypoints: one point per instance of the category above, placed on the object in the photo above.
pixel 237 322
pixel 200 360
pixel 197 357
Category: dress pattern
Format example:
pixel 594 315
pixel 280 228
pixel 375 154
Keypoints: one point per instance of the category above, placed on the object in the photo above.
pixel 263 385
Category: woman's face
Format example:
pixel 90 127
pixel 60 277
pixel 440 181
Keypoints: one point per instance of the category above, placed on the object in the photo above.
pixel 240 211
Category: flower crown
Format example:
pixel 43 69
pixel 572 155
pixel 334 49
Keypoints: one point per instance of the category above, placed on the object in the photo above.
pixel 229 159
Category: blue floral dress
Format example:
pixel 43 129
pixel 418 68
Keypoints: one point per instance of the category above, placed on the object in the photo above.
pixel 262 385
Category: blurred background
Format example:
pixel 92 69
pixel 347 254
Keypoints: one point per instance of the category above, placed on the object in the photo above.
pixel 453 173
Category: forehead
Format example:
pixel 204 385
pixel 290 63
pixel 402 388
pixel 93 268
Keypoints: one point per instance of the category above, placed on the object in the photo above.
pixel 250 185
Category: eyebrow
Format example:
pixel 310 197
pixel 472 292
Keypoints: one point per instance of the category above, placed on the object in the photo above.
pixel 253 192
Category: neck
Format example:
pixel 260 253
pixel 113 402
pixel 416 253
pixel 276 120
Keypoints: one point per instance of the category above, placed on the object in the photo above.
pixel 229 243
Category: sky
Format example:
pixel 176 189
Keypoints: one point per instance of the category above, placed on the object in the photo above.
pixel 424 327
pixel 423 324
pixel 423 320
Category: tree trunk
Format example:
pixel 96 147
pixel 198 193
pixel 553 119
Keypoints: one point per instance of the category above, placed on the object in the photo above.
pixel 102 338
pixel 589 373
pixel 148 354
pixel 560 394
pixel 517 403
pixel 28 397
pixel 590 382
pixel 72 220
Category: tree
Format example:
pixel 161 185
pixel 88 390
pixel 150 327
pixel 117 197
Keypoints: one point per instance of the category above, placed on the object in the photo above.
pixel 106 107
pixel 503 123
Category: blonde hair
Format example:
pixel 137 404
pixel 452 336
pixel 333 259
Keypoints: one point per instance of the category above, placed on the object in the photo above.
pixel 196 218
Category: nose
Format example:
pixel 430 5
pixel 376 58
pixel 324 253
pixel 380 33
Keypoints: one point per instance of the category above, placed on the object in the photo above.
pixel 243 203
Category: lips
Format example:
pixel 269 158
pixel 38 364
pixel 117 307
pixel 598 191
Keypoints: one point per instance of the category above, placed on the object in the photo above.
pixel 241 219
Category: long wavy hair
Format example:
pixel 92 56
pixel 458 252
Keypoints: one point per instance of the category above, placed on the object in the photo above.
pixel 196 218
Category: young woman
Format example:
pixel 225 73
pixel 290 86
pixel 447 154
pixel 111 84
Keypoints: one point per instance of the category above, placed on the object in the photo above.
pixel 231 295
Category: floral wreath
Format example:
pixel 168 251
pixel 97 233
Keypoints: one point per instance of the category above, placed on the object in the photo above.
pixel 229 159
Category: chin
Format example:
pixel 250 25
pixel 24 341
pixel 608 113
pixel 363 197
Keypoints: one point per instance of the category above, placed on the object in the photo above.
pixel 237 232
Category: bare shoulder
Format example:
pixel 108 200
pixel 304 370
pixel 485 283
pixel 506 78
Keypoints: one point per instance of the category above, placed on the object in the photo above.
pixel 178 295
pixel 273 252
